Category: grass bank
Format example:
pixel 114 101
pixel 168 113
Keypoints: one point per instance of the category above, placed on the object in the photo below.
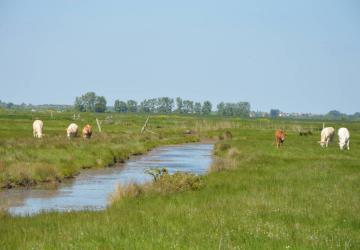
pixel 298 197
pixel 26 161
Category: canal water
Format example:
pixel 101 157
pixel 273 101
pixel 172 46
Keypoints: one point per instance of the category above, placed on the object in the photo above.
pixel 91 189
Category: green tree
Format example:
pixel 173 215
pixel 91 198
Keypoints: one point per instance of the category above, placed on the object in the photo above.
pixel 221 108
pixel 165 105
pixel 241 109
pixel 188 107
pixel 179 105
pixel 10 105
pixel 100 104
pixel 197 108
pixel 206 108
pixel 132 106
pixel 356 115
pixel 120 106
pixel 89 100
pixel 79 105
pixel 146 106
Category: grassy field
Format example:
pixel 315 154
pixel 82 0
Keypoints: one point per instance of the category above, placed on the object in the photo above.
pixel 27 161
pixel 255 197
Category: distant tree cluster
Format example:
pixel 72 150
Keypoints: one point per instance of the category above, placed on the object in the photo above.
pixel 191 107
pixel 163 105
pixel 29 106
pixel 90 102
pixel 155 105
pixel 240 109
pixel 335 114
pixel 274 113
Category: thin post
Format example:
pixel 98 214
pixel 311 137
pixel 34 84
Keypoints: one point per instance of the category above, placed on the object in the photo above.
pixel 98 124
pixel 145 124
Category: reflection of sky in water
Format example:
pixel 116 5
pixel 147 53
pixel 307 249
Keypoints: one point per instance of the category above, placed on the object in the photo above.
pixel 91 188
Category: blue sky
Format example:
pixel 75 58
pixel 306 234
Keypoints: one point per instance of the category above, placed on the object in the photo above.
pixel 292 55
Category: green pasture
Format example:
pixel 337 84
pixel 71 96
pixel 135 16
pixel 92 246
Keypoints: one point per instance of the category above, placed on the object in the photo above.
pixel 300 196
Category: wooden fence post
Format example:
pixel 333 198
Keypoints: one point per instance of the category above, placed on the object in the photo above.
pixel 145 124
pixel 98 124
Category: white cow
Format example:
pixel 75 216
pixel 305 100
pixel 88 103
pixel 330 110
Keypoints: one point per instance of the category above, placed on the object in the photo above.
pixel 72 130
pixel 344 138
pixel 37 128
pixel 327 135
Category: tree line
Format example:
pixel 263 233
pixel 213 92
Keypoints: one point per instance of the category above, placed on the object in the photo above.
pixel 90 102
pixel 163 105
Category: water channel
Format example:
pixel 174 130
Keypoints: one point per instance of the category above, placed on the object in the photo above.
pixel 91 188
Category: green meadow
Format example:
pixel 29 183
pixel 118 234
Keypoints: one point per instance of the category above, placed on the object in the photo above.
pixel 255 196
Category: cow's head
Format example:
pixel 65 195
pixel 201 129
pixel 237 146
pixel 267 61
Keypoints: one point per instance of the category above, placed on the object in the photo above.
pixel 282 136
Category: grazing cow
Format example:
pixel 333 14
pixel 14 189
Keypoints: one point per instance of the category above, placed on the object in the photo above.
pixel 327 135
pixel 87 131
pixel 72 130
pixel 37 128
pixel 279 137
pixel 344 138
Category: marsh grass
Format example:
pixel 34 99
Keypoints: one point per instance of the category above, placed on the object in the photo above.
pixel 163 184
pixel 300 196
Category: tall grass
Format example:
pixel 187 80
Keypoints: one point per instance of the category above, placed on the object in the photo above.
pixel 164 184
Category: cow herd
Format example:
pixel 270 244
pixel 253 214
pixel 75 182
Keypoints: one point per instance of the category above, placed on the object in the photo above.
pixel 326 136
pixel 71 131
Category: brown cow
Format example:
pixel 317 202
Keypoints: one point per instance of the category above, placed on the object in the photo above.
pixel 87 131
pixel 279 137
